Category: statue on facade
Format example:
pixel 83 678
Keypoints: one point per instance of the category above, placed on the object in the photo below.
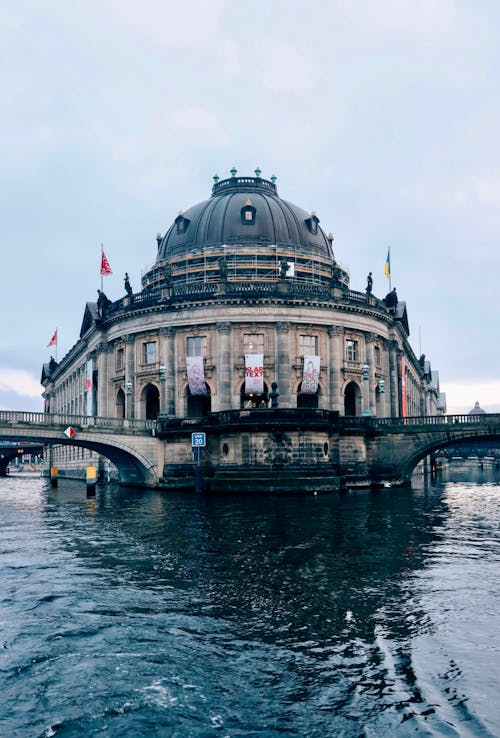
pixel 167 275
pixel 103 303
pixel 222 263
pixel 274 394
pixel 369 284
pixel 128 286
pixel 284 267
pixel 391 299
pixel 335 274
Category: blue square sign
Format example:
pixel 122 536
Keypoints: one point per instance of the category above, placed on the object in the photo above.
pixel 198 440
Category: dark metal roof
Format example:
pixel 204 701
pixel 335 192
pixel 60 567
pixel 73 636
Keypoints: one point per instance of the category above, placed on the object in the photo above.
pixel 220 220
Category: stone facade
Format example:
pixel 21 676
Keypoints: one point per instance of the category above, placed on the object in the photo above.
pixel 132 360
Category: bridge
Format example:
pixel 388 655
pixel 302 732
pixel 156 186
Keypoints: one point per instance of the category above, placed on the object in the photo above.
pixel 361 450
pixel 10 450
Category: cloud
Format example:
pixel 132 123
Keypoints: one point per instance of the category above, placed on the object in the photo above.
pixel 282 67
pixel 427 17
pixel 19 382
pixel 488 191
pixel 181 25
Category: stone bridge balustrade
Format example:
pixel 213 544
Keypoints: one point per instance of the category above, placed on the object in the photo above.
pixel 328 449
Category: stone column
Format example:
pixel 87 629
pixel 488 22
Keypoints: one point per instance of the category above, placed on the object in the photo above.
pixel 283 363
pixel 102 380
pixel 335 368
pixel 393 378
pixel 167 358
pixel 130 377
pixel 372 383
pixel 224 365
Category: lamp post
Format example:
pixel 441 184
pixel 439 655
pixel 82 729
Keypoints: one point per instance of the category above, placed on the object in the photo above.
pixel 130 404
pixel 163 376
pixel 366 389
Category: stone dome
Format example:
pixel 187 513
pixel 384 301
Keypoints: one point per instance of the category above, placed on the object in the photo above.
pixel 244 210
pixel 246 235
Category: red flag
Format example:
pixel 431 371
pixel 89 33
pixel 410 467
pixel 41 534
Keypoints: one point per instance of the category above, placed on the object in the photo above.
pixel 105 267
pixel 53 340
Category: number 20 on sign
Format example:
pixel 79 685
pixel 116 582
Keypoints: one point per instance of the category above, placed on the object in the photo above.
pixel 198 440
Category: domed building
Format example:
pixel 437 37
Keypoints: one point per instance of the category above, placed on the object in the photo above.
pixel 245 317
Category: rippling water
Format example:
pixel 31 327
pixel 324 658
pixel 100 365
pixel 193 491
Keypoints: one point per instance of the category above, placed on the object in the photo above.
pixel 148 613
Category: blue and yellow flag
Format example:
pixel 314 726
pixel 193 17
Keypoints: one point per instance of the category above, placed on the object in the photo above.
pixel 387 268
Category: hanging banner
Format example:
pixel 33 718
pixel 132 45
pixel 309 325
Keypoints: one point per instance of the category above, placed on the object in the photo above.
pixel 89 388
pixel 311 375
pixel 254 373
pixel 196 375
pixel 404 401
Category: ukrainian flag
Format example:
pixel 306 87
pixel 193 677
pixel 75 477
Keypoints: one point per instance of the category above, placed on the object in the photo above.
pixel 387 268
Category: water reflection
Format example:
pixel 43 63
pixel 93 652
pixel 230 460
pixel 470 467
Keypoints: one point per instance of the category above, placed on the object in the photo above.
pixel 358 614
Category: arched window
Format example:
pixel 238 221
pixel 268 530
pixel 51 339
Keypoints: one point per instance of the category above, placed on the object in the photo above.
pixel 120 404
pixel 352 399
pixel 199 405
pixel 150 402
pixel 307 399
pixel 252 400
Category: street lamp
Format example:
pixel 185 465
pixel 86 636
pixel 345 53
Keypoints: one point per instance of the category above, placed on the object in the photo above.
pixel 366 389
pixel 128 388
pixel 381 385
pixel 163 372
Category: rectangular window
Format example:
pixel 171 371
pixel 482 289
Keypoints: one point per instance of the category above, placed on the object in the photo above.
pixel 351 350
pixel 253 343
pixel 149 352
pixel 196 346
pixel 120 356
pixel 308 345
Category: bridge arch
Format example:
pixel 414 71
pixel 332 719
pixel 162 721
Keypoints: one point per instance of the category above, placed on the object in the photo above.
pixel 129 451
pixel 396 454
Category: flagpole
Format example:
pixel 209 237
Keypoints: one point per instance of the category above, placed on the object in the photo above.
pixel 102 276
pixel 57 339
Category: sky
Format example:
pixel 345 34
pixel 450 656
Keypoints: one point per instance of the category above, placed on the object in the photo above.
pixel 382 117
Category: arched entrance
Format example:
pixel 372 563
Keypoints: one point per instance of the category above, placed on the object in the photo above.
pixel 307 399
pixel 199 405
pixel 120 404
pixel 249 400
pixel 352 399
pixel 150 402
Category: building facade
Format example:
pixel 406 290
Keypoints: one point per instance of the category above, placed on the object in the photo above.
pixel 246 309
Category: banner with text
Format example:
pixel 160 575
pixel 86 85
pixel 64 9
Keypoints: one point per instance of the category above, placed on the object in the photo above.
pixel 254 373
pixel 404 396
pixel 196 375
pixel 311 375
pixel 89 386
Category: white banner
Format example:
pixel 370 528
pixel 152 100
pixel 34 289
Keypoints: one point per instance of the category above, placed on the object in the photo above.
pixel 196 375
pixel 311 375
pixel 254 373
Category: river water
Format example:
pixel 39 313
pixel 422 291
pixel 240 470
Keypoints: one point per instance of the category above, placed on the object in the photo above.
pixel 145 613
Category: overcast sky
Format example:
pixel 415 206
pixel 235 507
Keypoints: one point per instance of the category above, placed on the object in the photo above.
pixel 383 117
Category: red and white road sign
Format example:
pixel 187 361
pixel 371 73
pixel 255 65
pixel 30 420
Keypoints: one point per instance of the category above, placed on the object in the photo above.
pixel 70 432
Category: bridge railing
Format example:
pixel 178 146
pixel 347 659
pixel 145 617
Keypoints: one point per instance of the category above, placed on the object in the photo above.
pixel 78 421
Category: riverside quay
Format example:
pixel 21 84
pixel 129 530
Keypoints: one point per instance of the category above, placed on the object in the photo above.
pixel 245 332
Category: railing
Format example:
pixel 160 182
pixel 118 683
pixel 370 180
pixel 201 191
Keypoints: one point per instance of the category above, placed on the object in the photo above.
pixel 82 421
pixel 264 416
